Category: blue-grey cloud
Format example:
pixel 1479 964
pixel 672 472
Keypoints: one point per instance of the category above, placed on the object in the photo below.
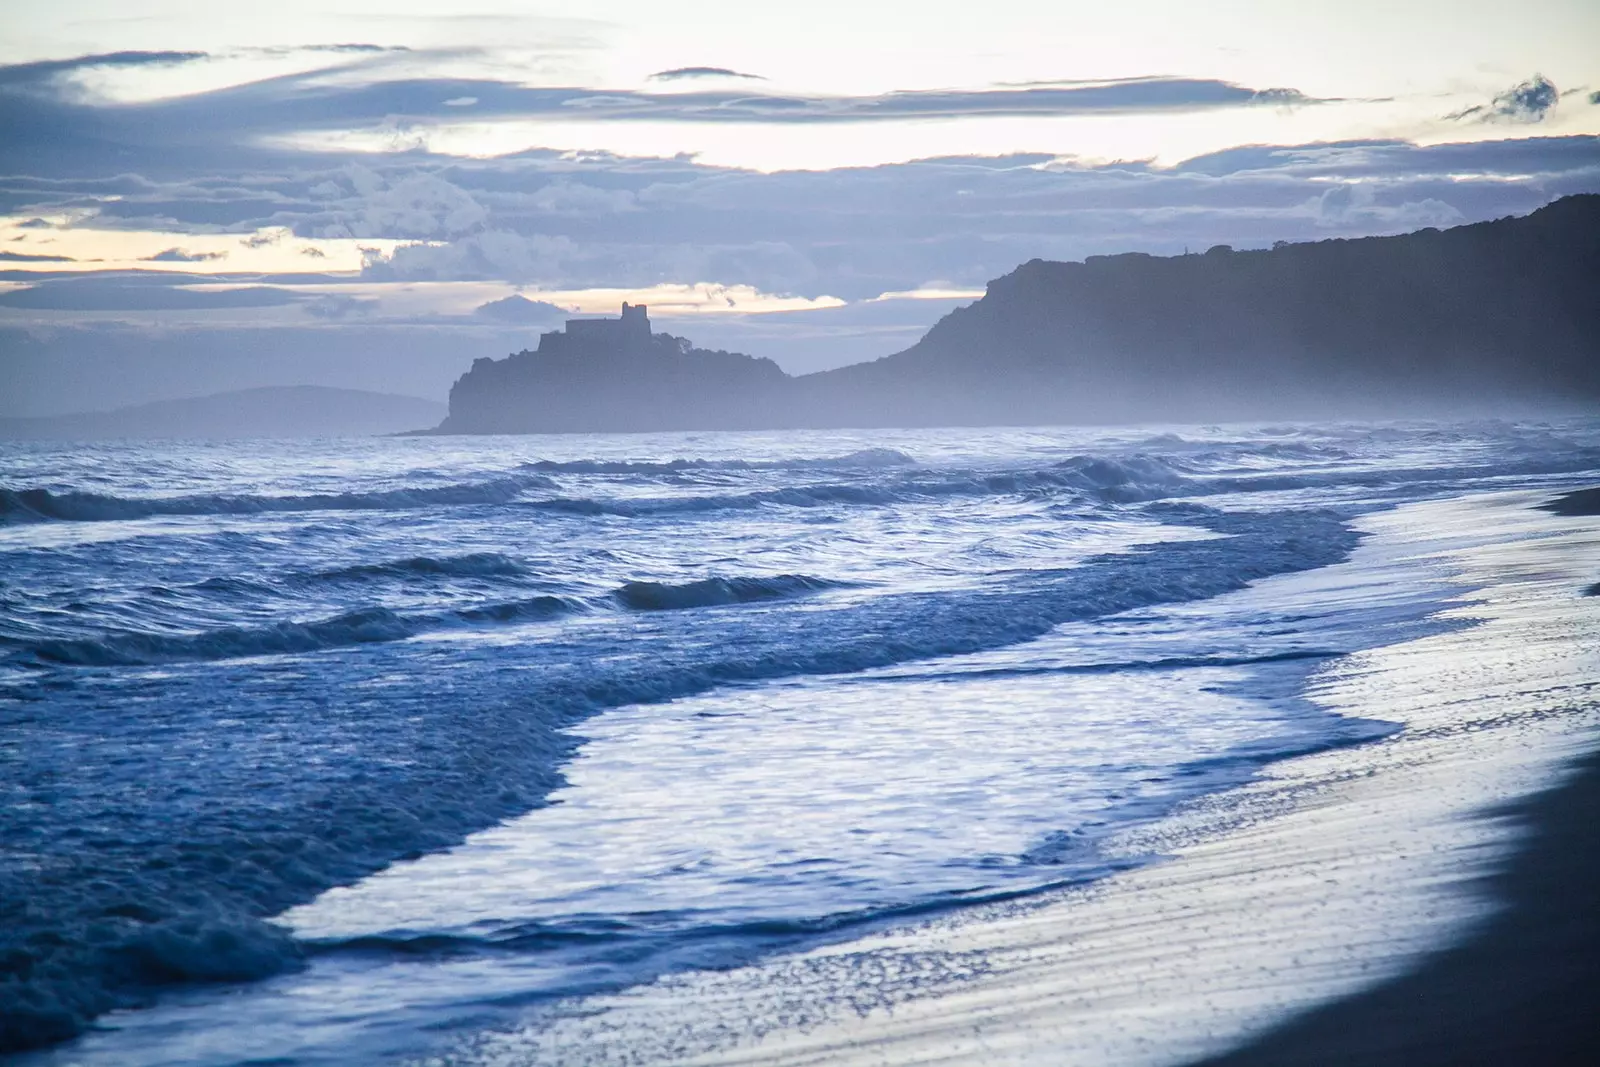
pixel 339 307
pixel 98 294
pixel 542 219
pixel 1527 102
pixel 26 257
pixel 50 70
pixel 179 255
pixel 50 128
pixel 519 309
pixel 681 73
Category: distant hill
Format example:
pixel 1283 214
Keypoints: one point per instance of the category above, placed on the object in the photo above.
pixel 1497 316
pixel 616 375
pixel 1497 313
pixel 272 411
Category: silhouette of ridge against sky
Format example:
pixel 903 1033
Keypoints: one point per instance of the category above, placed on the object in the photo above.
pixel 196 197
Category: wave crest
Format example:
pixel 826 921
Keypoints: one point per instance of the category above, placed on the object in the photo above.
pixel 864 458
pixel 39 505
pixel 715 592
pixel 471 565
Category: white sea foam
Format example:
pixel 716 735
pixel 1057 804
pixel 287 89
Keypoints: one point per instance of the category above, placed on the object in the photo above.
pixel 281 669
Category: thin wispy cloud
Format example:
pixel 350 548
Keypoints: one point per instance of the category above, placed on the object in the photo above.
pixel 683 73
pixel 28 257
pixel 53 71
pixel 179 255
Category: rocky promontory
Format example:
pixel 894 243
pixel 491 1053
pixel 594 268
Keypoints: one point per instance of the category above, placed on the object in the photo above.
pixel 1495 316
pixel 602 375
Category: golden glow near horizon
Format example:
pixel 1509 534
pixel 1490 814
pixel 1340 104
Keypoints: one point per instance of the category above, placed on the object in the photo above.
pixel 1367 69
pixel 84 246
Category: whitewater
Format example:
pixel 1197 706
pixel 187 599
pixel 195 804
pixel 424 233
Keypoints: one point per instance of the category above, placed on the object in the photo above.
pixel 381 750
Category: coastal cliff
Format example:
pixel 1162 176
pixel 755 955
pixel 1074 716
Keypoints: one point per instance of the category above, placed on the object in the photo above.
pixel 1459 320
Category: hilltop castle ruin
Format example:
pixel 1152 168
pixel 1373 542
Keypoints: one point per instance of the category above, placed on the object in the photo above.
pixel 634 326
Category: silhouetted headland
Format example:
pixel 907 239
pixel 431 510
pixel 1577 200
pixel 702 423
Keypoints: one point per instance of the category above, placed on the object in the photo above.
pixel 614 374
pixel 1495 315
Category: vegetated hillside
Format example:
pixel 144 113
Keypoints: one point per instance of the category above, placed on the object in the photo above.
pixel 271 411
pixel 1496 316
pixel 646 382
pixel 1428 322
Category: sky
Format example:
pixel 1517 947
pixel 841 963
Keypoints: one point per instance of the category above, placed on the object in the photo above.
pixel 197 197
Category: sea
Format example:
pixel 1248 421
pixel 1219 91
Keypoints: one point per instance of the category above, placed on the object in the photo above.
pixel 356 750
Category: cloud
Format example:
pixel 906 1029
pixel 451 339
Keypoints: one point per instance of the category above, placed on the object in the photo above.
pixel 558 221
pixel 99 294
pixel 1357 204
pixel 680 73
pixel 339 307
pixel 264 238
pixel 24 257
pixel 179 255
pixel 53 127
pixel 52 70
pixel 1528 102
pixel 1594 98
pixel 519 309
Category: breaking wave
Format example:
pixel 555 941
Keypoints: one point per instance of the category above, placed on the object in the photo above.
pixel 713 592
pixel 472 565
pixel 370 625
pixel 130 648
pixel 866 458
pixel 38 505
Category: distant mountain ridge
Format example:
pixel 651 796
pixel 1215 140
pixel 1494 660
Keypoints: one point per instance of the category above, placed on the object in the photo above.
pixel 269 411
pixel 1495 313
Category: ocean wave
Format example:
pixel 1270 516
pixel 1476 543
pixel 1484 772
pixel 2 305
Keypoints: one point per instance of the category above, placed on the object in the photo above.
pixel 832 494
pixel 423 764
pixel 372 625
pixel 714 592
pixel 471 565
pixel 40 505
pixel 866 458
pixel 1135 478
pixel 532 609
pixel 129 648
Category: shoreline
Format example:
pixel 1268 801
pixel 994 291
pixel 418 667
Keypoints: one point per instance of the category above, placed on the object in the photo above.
pixel 1330 877
pixel 1524 989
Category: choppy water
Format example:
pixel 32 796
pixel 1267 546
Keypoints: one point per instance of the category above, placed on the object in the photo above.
pixel 695 698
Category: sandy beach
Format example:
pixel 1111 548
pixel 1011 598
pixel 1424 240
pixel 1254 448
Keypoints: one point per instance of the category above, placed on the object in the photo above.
pixel 1426 898
pixel 1524 989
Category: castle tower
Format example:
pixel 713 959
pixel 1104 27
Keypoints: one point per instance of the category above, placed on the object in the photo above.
pixel 635 320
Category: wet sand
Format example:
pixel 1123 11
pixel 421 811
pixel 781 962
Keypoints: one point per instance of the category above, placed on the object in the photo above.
pixel 1525 990
pixel 1577 502
pixel 1331 879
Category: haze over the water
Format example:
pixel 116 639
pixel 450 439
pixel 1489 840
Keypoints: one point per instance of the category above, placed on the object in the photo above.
pixel 202 198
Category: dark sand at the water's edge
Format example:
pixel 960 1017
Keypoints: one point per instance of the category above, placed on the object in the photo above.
pixel 1577 502
pixel 1525 991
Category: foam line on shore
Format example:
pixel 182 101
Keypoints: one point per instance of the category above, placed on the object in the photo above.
pixel 1329 874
